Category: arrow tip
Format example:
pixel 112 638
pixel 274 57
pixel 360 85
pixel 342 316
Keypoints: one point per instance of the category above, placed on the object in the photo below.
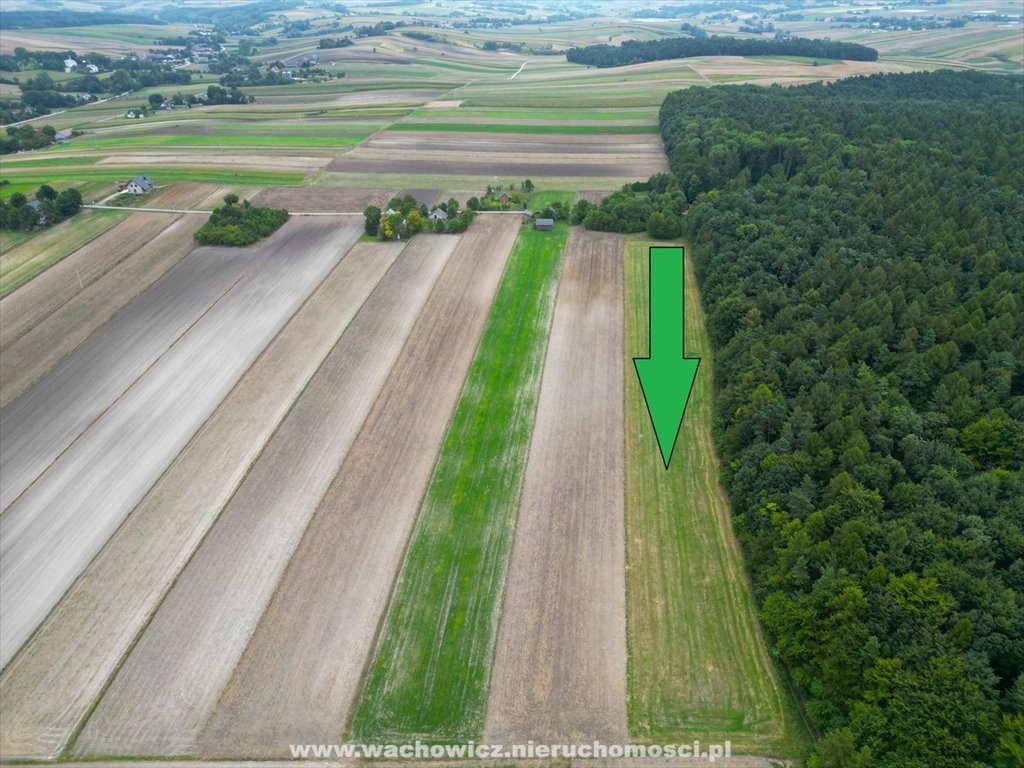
pixel 666 385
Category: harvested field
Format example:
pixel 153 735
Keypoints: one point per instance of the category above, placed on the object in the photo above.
pixel 31 303
pixel 595 167
pixel 698 666
pixel 559 674
pixel 300 674
pixel 182 194
pixel 323 199
pixel 542 155
pixel 166 690
pixel 115 459
pixel 48 689
pixel 220 159
pixel 27 358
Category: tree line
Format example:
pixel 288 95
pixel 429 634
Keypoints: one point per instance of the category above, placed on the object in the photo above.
pixel 860 252
pixel 637 51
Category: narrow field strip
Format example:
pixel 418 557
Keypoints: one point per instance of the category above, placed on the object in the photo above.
pixel 167 688
pixel 26 359
pixel 300 674
pixel 430 674
pixel 53 530
pixel 556 128
pixel 43 249
pixel 559 673
pixel 48 689
pixel 698 665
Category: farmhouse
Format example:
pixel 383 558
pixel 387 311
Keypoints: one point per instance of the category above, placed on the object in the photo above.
pixel 545 224
pixel 70 64
pixel 140 185
pixel 438 214
pixel 504 198
pixel 62 135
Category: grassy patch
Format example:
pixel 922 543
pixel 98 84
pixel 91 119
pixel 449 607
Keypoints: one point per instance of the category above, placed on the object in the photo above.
pixel 541 200
pixel 560 128
pixel 698 665
pixel 430 675
pixel 47 246
pixel 36 176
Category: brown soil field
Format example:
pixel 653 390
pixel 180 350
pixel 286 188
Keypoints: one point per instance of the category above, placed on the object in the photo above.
pixel 300 673
pixel 54 529
pixel 430 152
pixel 527 144
pixel 219 159
pixel 323 199
pixel 182 194
pixel 27 358
pixel 559 674
pixel 48 41
pixel 166 690
pixel 48 689
pixel 443 104
pixel 46 292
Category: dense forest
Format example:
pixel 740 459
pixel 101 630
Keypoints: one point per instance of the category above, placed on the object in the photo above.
pixel 860 252
pixel 637 51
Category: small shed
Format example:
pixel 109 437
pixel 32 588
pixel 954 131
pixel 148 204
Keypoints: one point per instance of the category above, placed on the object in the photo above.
pixel 527 213
pixel 544 224
pixel 140 185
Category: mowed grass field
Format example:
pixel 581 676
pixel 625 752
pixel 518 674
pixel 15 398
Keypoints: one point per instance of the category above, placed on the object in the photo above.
pixel 698 664
pixel 430 673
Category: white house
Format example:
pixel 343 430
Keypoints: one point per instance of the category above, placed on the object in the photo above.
pixel 140 185
pixel 63 135
pixel 70 64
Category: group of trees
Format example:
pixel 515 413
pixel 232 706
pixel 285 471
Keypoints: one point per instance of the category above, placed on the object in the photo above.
pixel 239 223
pixel 404 217
pixel 860 252
pixel 655 206
pixel 23 137
pixel 637 51
pixel 53 207
pixel 335 42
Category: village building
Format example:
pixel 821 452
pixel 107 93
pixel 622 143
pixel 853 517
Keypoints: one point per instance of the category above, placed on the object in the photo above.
pixel 70 64
pixel 438 214
pixel 544 224
pixel 140 185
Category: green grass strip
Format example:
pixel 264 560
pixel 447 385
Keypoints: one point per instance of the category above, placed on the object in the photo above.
pixel 31 175
pixel 430 675
pixel 506 128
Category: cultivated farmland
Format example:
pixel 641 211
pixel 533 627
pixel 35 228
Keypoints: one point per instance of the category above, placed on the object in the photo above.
pixel 322 488
pixel 560 669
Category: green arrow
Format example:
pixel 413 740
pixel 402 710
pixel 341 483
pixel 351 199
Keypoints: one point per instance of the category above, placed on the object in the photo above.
pixel 666 377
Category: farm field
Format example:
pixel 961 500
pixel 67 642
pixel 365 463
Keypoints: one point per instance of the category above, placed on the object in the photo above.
pixel 202 641
pixel 560 667
pixel 690 670
pixel 367 513
pixel 327 488
pixel 430 670
pixel 49 688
